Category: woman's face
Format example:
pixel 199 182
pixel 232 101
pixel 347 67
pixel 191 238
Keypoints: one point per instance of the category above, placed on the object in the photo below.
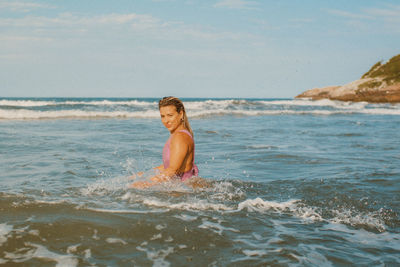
pixel 170 117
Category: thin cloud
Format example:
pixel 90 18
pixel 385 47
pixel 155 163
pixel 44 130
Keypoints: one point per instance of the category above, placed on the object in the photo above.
pixel 391 13
pixel 16 6
pixel 131 24
pixel 303 20
pixel 14 38
pixel 388 17
pixel 68 19
pixel 348 15
pixel 236 4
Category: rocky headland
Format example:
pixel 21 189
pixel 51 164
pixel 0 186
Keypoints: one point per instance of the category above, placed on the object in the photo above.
pixel 381 84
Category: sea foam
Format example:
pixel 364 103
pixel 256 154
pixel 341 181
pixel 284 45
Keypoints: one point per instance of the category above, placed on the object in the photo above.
pixel 312 214
pixel 41 252
pixel 5 229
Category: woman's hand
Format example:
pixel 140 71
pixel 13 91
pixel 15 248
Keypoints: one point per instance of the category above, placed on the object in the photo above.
pixel 153 181
pixel 135 175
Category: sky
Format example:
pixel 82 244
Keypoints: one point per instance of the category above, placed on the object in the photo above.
pixel 190 48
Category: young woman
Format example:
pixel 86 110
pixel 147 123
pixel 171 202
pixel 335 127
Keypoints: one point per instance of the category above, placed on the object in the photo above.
pixel 178 152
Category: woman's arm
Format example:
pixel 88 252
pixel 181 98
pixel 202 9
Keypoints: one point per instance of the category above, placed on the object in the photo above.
pixel 135 175
pixel 160 168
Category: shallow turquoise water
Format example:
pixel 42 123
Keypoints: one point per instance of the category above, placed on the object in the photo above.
pixel 293 182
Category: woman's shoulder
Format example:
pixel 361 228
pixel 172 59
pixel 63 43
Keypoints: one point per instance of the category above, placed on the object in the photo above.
pixel 182 136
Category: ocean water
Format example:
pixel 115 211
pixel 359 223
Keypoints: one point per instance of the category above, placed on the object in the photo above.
pixel 290 183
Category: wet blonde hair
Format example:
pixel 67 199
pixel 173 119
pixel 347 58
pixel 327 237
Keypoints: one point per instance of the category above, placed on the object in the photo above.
pixel 177 103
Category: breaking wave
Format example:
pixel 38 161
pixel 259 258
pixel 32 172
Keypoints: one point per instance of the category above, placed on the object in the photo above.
pixel 106 108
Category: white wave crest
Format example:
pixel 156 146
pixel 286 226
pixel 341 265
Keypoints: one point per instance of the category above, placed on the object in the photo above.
pixel 26 103
pixel 225 112
pixel 109 103
pixel 309 213
pixel 210 104
pixel 241 107
pixel 151 114
pixel 261 205
pixel 41 103
pixel 75 114
pixel 113 240
pixel 195 109
pixel 315 103
pixel 369 219
pixel 294 207
pixel 381 111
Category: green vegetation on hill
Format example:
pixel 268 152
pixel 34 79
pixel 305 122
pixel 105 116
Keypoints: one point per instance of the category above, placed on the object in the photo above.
pixel 388 72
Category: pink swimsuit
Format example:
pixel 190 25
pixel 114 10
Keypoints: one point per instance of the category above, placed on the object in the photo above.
pixel 166 154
